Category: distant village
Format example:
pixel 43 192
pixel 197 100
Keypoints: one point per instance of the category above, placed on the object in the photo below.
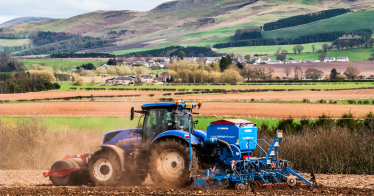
pixel 164 62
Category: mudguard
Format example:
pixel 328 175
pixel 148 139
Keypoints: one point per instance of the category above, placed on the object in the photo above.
pixel 177 133
pixel 119 151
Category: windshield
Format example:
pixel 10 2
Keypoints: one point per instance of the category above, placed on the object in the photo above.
pixel 181 119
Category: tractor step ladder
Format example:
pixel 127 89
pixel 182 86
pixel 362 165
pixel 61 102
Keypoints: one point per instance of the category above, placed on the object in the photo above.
pixel 273 150
pixel 142 162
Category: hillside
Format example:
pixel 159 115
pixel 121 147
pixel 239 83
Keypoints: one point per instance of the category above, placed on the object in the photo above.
pixel 189 22
pixel 22 20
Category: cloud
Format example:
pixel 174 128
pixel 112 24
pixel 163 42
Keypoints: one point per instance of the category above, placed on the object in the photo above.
pixel 68 8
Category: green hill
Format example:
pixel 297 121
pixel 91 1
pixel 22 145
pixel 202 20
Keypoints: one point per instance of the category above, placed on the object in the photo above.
pixel 198 22
pixel 346 22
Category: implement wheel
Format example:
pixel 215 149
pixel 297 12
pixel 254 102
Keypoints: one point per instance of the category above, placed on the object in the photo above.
pixel 104 168
pixel 291 180
pixel 169 163
pixel 76 178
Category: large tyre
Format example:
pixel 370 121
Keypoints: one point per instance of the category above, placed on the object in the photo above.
pixel 76 178
pixel 169 163
pixel 104 168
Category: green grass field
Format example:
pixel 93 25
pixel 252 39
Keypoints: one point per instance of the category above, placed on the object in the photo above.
pixel 346 22
pixel 356 54
pixel 60 64
pixel 324 85
pixel 302 56
pixel 109 124
pixel 268 49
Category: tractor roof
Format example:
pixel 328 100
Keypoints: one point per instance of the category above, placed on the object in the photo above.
pixel 166 105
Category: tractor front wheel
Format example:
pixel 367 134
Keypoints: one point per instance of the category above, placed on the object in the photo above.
pixel 169 163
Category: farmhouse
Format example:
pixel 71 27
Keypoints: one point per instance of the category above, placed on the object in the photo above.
pixel 120 80
pixel 255 60
pixel 266 60
pixel 161 64
pixel 308 78
pixel 329 59
pixel 311 61
pixel 158 80
pixel 147 78
pixel 275 62
pixel 73 68
pixel 342 59
pixel 209 60
pixel 293 61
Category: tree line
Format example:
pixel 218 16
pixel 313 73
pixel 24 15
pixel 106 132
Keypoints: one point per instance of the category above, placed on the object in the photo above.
pixel 250 33
pixel 8 64
pixel 311 38
pixel 174 50
pixel 83 55
pixel 68 46
pixel 304 19
pixel 22 82
pixel 47 37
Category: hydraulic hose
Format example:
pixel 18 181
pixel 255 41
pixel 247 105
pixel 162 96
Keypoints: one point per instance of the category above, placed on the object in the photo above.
pixel 225 144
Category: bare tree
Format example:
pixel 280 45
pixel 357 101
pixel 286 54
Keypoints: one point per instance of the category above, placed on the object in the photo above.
pixel 299 48
pixel 271 72
pixel 313 47
pixel 247 72
pixel 325 47
pixel 138 55
pixel 298 73
pixel 287 71
pixel 352 72
pixel 313 74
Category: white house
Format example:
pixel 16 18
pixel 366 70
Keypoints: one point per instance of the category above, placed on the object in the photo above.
pixel 73 68
pixel 209 60
pixel 293 61
pixel 120 80
pixel 150 63
pixel 274 62
pixel 161 64
pixel 306 78
pixel 103 66
pixel 158 80
pixel 311 61
pixel 166 59
pixel 147 78
pixel 256 60
pixel 342 59
pixel 266 60
pixel 329 59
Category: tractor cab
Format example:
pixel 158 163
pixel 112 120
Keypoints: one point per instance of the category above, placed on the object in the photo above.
pixel 161 117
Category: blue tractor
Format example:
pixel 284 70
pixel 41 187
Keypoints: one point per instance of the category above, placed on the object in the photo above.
pixel 168 148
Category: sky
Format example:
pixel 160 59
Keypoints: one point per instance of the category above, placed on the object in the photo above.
pixel 10 9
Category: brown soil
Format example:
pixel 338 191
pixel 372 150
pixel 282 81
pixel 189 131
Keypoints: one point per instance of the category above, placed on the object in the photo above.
pixel 287 96
pixel 269 110
pixel 21 182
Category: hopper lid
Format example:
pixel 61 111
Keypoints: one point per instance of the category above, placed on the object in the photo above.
pixel 231 122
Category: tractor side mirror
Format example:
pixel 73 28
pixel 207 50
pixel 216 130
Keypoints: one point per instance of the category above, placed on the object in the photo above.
pixel 196 121
pixel 132 113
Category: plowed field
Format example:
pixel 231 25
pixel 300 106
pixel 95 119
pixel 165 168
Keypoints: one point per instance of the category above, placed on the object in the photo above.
pixel 31 182
pixel 287 96
pixel 266 96
pixel 268 110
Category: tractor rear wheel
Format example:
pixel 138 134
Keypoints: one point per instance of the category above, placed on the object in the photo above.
pixel 169 163
pixel 104 168
pixel 76 178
